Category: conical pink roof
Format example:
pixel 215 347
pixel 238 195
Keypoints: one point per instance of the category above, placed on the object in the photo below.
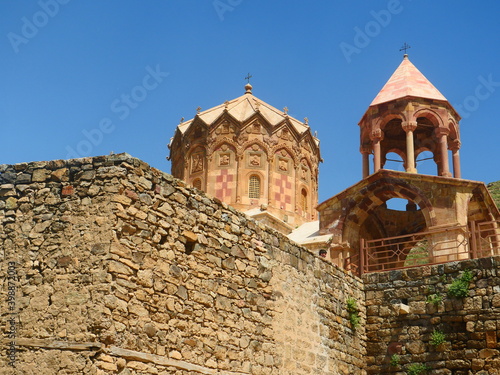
pixel 407 81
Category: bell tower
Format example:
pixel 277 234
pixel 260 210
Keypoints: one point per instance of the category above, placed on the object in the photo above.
pixel 407 117
pixel 444 213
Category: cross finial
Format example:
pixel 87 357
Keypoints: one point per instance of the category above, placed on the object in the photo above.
pixel 285 110
pixel 198 110
pixel 248 77
pixel 405 48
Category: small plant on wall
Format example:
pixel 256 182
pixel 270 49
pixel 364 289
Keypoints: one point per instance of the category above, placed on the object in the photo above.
pixel 437 337
pixel 417 369
pixel 395 359
pixel 435 299
pixel 353 311
pixel 459 288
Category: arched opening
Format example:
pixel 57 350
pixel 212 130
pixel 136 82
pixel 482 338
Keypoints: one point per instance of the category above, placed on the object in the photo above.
pixel 254 187
pixel 425 163
pixel 396 204
pixel 394 162
pixel 395 217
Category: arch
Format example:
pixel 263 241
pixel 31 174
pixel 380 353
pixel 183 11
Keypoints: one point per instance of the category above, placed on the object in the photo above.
pixel 362 204
pixel 429 114
pixel 398 152
pixel 263 146
pixel 290 152
pixel 454 132
pixel 384 120
pixel 221 141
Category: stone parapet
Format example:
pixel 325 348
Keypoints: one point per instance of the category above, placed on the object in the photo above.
pixel 120 268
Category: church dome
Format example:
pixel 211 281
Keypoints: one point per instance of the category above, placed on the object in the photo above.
pixel 250 155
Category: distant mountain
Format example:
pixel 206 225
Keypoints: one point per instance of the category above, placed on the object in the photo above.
pixel 494 188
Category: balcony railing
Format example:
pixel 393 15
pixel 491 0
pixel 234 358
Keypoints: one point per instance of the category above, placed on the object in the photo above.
pixel 476 240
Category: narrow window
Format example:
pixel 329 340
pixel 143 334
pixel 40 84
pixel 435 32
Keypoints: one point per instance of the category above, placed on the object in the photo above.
pixel 197 183
pixel 254 187
pixel 304 200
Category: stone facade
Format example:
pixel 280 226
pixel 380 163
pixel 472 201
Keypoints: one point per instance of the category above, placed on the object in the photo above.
pixel 439 203
pixel 471 325
pixel 119 268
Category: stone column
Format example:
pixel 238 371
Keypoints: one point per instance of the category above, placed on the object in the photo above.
pixel 376 136
pixel 442 135
pixel 454 147
pixel 366 151
pixel 409 127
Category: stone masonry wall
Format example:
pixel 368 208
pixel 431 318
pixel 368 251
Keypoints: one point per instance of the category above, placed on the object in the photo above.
pixel 471 325
pixel 112 267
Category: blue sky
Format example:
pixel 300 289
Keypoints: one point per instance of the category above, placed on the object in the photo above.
pixel 84 78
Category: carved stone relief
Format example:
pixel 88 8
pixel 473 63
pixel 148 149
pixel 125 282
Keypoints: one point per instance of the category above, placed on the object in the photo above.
pixel 197 162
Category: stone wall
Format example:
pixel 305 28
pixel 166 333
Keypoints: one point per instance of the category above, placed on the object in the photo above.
pixel 115 267
pixel 471 325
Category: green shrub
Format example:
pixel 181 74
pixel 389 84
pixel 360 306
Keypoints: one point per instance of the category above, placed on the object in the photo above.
pixel 459 288
pixel 395 359
pixel 417 369
pixel 437 337
pixel 435 299
pixel 353 311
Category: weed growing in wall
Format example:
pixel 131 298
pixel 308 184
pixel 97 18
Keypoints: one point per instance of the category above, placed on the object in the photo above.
pixel 416 369
pixel 395 360
pixel 435 299
pixel 459 288
pixel 437 337
pixel 353 311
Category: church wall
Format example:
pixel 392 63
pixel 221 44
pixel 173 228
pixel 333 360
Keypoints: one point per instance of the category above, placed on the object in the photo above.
pixel 471 325
pixel 120 268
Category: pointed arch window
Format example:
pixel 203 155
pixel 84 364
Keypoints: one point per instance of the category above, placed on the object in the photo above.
pixel 254 187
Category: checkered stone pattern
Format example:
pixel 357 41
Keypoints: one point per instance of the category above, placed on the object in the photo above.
pixel 283 192
pixel 224 186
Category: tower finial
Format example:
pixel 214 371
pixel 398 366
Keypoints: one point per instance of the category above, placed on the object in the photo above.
pixel 405 48
pixel 248 86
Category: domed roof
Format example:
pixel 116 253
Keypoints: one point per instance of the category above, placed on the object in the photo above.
pixel 407 80
pixel 243 108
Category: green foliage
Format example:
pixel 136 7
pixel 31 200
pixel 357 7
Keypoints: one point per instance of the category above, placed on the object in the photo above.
pixel 494 188
pixel 435 299
pixel 437 337
pixel 416 369
pixel 353 311
pixel 418 255
pixel 459 288
pixel 395 359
